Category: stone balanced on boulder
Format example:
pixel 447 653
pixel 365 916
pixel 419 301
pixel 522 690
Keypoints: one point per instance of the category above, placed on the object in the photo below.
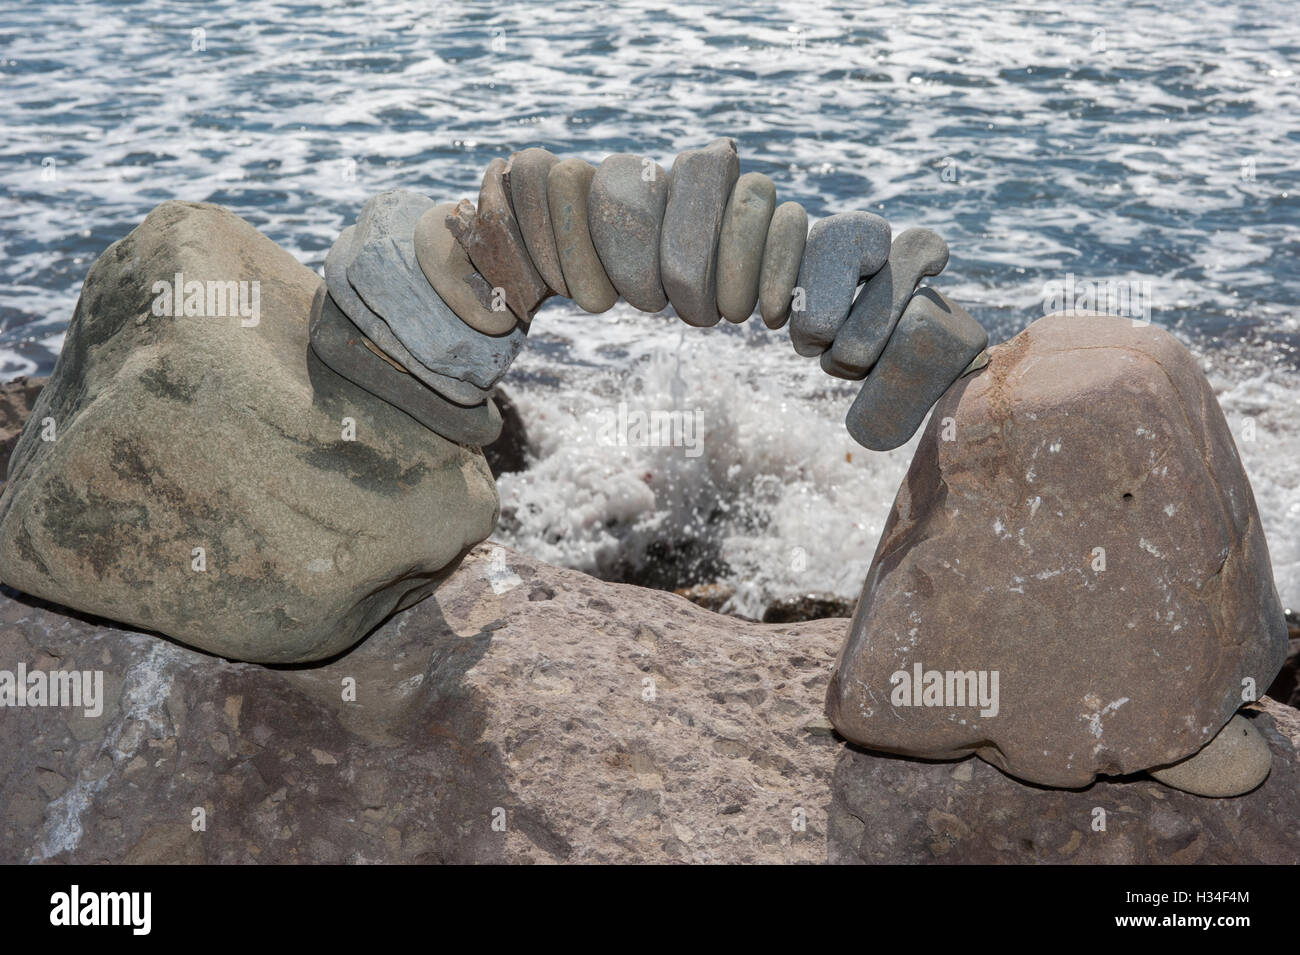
pixel 1073 581
pixel 271 493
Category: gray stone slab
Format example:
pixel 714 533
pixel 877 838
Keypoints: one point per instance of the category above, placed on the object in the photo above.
pixel 373 327
pixel 567 188
pixel 932 345
pixel 841 250
pixel 699 186
pixel 915 254
pixel 625 213
pixel 787 234
pixel 387 277
pixel 740 245
pixel 340 346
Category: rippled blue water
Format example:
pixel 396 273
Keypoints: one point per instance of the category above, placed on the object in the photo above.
pixel 1151 142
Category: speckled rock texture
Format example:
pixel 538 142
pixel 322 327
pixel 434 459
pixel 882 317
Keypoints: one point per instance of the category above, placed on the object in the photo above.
pixel 1077 523
pixel 207 483
pixel 599 722
pixel 890 810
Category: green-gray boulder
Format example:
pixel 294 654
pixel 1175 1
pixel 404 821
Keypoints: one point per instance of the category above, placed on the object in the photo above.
pixel 196 475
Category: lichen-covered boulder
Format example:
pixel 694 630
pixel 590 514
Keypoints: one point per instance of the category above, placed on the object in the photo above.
pixel 1073 581
pixel 204 476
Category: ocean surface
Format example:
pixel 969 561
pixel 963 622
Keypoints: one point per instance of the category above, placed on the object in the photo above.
pixel 1150 144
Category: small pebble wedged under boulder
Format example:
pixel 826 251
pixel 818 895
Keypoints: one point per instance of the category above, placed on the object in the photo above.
pixel 1076 524
pixel 174 434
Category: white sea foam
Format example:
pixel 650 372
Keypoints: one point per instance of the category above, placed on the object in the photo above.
pixel 797 505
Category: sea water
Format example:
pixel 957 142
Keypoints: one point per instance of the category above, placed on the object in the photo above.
pixel 1148 145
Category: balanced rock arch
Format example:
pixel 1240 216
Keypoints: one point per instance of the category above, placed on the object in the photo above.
pixel 271 490
pixel 444 294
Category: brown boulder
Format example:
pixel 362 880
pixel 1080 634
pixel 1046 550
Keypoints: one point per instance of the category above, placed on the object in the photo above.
pixel 1077 533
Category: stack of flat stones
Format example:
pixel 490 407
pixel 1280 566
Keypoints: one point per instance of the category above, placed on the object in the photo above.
pixel 428 304
pixel 408 319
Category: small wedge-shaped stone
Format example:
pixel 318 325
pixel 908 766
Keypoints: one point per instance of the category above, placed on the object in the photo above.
pixel 448 269
pixel 491 237
pixel 842 249
pixel 787 234
pixel 740 245
pixel 699 186
pixel 387 277
pixel 567 188
pixel 338 345
pixel 934 342
pixel 525 179
pixel 338 259
pixel 1234 762
pixel 915 254
pixel 625 212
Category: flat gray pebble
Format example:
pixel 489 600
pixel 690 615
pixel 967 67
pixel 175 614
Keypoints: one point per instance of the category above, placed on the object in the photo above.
pixel 567 188
pixel 339 345
pixel 525 177
pixel 915 254
pixel 699 186
pixel 787 234
pixel 625 212
pixel 740 244
pixel 841 250
pixel 933 344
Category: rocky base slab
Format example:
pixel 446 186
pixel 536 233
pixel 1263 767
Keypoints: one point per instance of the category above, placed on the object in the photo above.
pixel 595 722
pixel 894 810
pixel 598 722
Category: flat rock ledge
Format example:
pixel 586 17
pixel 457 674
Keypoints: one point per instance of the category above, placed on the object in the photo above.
pixel 598 722
pixel 526 713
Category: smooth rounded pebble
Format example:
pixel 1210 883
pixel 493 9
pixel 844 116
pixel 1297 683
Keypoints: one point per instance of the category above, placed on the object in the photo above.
pixel 448 269
pixel 699 186
pixel 915 254
pixel 842 249
pixel 740 244
pixel 385 274
pixel 567 188
pixel 376 329
pixel 933 344
pixel 787 234
pixel 625 212
pixel 1234 762
pixel 525 178
pixel 491 237
pixel 339 346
